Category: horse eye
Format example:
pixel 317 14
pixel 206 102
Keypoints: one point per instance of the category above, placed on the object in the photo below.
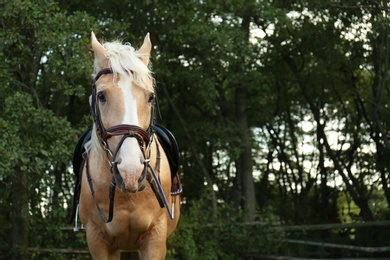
pixel 151 97
pixel 101 96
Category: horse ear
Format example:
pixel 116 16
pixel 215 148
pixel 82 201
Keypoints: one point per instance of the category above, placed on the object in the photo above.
pixel 145 50
pixel 100 52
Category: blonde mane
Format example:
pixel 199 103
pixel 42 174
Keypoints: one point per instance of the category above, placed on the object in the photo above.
pixel 124 61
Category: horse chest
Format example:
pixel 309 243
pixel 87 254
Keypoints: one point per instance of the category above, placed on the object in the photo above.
pixel 131 227
pixel 137 213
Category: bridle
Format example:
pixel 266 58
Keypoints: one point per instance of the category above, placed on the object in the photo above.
pixel 144 138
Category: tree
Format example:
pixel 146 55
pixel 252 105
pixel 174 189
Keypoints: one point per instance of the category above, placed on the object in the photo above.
pixel 43 74
pixel 321 56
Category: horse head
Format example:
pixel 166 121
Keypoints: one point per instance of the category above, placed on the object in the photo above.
pixel 122 104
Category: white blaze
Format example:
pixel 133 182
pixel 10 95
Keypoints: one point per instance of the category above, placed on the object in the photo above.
pixel 130 155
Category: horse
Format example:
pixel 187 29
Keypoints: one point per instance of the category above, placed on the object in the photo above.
pixel 126 201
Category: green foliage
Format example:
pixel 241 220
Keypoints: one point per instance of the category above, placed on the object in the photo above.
pixel 46 65
pixel 27 130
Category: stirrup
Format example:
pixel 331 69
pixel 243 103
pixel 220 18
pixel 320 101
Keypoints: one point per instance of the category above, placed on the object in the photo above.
pixel 76 228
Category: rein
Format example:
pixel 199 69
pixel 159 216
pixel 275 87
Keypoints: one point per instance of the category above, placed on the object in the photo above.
pixel 144 138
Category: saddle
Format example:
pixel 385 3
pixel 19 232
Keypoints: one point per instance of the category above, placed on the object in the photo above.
pixel 167 141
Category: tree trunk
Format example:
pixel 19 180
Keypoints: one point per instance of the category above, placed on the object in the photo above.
pixel 20 221
pixel 356 191
pixel 381 55
pixel 245 160
pixel 244 167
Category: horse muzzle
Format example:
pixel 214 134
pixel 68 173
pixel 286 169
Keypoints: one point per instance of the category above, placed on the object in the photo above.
pixel 129 179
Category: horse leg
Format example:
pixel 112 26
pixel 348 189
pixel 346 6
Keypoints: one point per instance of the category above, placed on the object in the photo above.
pixel 114 256
pixel 101 248
pixel 152 244
pixel 154 250
pixel 100 252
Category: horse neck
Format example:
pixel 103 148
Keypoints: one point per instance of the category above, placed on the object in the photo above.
pixel 98 163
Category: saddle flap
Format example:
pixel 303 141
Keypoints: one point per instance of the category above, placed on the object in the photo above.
pixel 170 146
pixel 79 150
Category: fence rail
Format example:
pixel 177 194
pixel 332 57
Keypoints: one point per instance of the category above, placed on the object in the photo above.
pixel 365 249
pixel 292 230
pixel 322 226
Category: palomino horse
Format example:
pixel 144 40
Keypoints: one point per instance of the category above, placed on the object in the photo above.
pixel 125 155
